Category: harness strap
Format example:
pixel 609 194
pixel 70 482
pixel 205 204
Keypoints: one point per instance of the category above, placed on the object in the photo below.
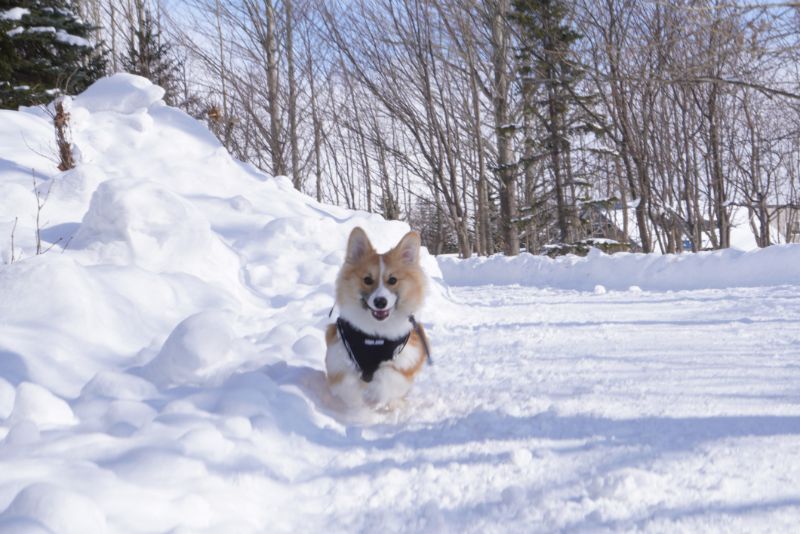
pixel 343 327
pixel 422 337
pixel 368 352
pixel 343 337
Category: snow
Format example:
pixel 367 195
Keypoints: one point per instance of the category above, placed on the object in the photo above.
pixel 56 509
pixel 70 39
pixel 41 29
pixel 60 35
pixel 38 405
pixel 123 93
pixel 161 368
pixel 775 265
pixel 15 13
pixel 197 347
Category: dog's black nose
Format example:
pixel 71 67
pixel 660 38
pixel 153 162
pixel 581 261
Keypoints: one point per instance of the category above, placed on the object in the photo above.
pixel 380 302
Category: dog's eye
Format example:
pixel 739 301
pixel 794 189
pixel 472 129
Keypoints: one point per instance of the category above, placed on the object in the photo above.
pixel 368 280
pixel 391 281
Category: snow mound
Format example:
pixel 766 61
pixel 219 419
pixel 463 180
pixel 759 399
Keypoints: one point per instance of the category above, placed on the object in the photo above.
pixel 771 266
pixel 37 404
pixel 7 393
pixel 123 386
pixel 122 93
pixel 80 183
pixel 54 508
pixel 22 525
pixel 143 223
pixel 197 348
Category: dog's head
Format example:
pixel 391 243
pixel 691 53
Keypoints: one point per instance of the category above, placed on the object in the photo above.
pixel 375 290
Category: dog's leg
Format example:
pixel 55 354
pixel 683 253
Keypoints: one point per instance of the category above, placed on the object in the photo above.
pixel 344 380
pixel 388 384
pixel 393 379
pixel 348 388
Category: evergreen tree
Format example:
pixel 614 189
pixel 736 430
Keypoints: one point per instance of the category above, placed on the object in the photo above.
pixel 44 50
pixel 551 73
pixel 151 57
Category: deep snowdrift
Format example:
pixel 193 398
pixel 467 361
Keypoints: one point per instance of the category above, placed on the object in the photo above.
pixel 161 365
pixel 172 266
pixel 159 223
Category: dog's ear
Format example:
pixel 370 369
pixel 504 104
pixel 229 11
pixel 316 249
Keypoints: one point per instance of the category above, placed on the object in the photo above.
pixel 358 245
pixel 408 248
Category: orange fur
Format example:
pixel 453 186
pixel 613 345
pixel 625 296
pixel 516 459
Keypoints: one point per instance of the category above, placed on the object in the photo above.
pixel 410 277
pixel 335 378
pixel 351 277
pixel 410 286
pixel 416 341
pixel 331 335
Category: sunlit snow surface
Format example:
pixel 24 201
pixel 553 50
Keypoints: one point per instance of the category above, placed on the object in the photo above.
pixel 164 373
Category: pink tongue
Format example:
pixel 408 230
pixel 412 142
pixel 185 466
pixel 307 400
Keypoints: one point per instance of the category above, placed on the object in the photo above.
pixel 380 314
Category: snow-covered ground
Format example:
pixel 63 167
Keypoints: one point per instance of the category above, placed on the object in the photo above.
pixel 164 372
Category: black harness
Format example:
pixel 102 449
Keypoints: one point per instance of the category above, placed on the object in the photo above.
pixel 368 352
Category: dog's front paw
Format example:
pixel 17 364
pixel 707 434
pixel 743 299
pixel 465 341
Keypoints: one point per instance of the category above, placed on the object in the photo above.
pixel 375 394
pixel 387 385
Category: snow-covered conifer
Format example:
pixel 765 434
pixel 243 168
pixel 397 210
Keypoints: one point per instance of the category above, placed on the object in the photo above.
pixel 149 55
pixel 45 49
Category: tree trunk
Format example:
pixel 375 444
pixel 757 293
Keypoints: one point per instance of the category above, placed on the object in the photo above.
pixel 483 230
pixel 316 124
pixel 717 177
pixel 554 146
pixel 297 179
pixel 504 132
pixel 275 146
pixel 222 74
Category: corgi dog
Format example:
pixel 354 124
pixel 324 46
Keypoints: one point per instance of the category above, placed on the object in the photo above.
pixel 376 348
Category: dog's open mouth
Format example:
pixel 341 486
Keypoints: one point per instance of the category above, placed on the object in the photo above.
pixel 380 314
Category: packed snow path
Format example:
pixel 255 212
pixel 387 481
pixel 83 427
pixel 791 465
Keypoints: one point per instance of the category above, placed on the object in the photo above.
pixel 564 410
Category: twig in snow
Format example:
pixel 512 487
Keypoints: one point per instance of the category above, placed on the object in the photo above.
pixel 13 229
pixel 40 202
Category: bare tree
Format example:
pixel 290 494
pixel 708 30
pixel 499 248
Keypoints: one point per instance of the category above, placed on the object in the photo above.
pixel 429 110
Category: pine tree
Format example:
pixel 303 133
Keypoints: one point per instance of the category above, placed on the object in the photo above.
pixel 45 50
pixel 551 73
pixel 151 57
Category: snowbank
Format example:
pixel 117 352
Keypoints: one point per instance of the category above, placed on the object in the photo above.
pixel 772 266
pixel 171 334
